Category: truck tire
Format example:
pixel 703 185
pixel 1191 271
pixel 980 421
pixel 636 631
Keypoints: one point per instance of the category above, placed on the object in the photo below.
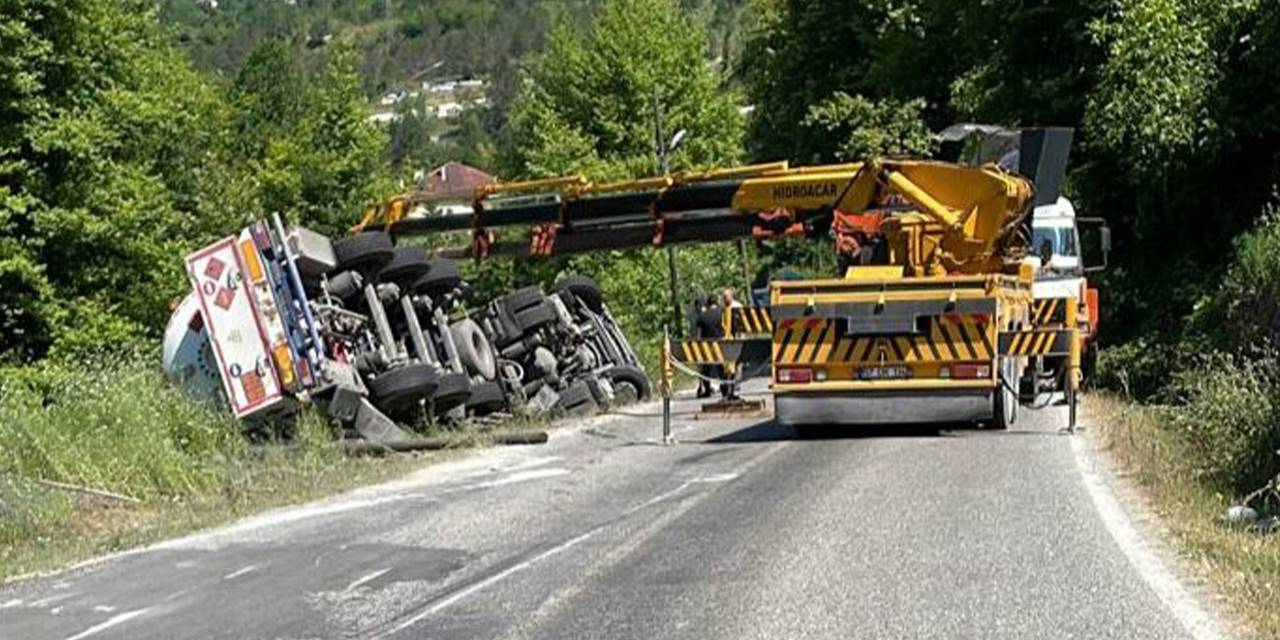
pixel 631 378
pixel 453 390
pixel 398 391
pixel 576 400
pixel 585 289
pixel 366 252
pixel 535 317
pixel 1005 400
pixel 604 399
pixel 441 278
pixel 407 264
pixel 474 349
pixel 486 398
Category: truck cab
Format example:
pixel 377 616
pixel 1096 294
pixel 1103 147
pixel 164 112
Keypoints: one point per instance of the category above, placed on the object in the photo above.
pixel 1061 275
pixel 1056 241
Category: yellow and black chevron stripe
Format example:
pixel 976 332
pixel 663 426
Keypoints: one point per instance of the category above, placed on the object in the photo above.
pixel 811 341
pixel 1036 343
pixel 1047 310
pixel 748 321
pixel 699 352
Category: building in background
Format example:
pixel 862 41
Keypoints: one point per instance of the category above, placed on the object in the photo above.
pixel 455 181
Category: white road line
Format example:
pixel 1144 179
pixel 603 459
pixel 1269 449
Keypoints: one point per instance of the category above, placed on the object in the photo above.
pixel 111 622
pixel 501 575
pixel 11 603
pixel 1179 600
pixel 531 463
pixel 44 603
pixel 366 578
pixel 239 572
pixel 667 495
pixel 447 602
pixel 523 476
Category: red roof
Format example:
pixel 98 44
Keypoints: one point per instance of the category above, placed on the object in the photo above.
pixel 455 178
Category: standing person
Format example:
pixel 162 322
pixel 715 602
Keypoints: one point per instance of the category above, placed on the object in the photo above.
pixel 728 388
pixel 699 330
pixel 729 300
pixel 709 327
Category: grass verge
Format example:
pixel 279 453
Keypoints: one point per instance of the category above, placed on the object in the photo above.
pixel 1244 567
pixel 115 425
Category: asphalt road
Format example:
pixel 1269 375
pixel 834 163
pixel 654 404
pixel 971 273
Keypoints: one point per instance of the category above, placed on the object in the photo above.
pixel 740 531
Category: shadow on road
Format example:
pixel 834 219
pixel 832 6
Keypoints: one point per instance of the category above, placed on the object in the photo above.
pixel 770 431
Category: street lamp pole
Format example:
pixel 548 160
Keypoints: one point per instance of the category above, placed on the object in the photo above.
pixel 664 149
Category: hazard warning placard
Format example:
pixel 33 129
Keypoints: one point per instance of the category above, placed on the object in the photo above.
pixel 238 337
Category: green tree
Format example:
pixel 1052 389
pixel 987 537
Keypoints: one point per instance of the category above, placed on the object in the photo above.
pixel 855 128
pixel 106 137
pixel 269 95
pixel 1025 61
pixel 331 165
pixel 589 103
pixel 1152 97
pixel 800 54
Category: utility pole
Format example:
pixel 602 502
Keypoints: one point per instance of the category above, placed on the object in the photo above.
pixel 664 149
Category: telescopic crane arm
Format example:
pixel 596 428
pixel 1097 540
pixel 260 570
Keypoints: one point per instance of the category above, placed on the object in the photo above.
pixel 936 217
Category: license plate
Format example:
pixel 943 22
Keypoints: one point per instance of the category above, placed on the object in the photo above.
pixel 884 373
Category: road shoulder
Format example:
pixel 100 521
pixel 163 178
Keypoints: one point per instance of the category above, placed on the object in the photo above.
pixel 1142 533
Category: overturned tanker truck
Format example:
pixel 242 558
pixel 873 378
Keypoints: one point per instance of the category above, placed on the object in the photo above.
pixel 279 318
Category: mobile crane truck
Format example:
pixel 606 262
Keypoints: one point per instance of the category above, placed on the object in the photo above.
pixel 932 320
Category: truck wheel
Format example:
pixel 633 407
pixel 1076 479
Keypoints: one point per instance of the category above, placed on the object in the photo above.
pixel 486 398
pixel 604 399
pixel 367 251
pixel 1006 400
pixel 454 389
pixel 577 400
pixel 407 264
pixel 474 349
pixel 399 390
pixel 441 278
pixel 585 289
pixel 629 379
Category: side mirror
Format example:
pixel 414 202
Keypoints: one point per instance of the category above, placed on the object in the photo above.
pixel 1104 241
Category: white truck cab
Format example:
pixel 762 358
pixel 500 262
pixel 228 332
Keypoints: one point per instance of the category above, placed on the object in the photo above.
pixel 1056 240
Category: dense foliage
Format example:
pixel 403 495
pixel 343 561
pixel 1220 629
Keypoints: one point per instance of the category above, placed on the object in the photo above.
pixel 117 157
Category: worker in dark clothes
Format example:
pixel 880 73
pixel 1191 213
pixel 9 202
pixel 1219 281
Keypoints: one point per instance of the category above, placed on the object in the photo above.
pixel 708 326
pixel 695 331
pixel 729 388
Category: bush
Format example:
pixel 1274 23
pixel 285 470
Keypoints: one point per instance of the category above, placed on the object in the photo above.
pixel 1224 405
pixel 1227 410
pixel 1243 315
pixel 1139 369
pixel 113 424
